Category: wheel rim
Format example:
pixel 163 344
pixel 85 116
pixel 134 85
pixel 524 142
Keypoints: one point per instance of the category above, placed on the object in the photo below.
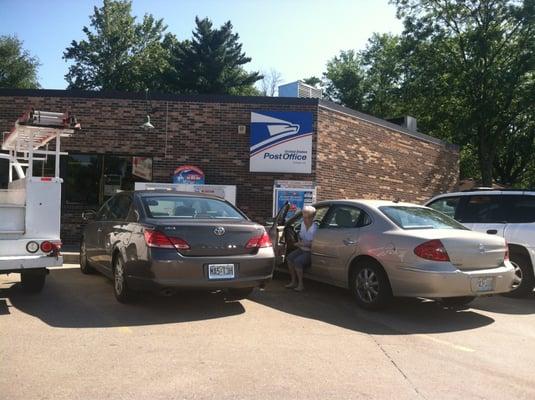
pixel 367 285
pixel 517 281
pixel 119 276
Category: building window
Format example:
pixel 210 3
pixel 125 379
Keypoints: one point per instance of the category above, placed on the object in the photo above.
pixel 91 179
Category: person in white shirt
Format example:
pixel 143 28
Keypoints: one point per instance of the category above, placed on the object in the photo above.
pixel 299 259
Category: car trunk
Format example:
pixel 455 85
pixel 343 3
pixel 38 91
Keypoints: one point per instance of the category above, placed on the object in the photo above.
pixel 469 250
pixel 207 239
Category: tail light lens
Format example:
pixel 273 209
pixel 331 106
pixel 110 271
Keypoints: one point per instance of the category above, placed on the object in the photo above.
pixel 259 241
pixel 160 240
pixel 50 246
pixel 432 250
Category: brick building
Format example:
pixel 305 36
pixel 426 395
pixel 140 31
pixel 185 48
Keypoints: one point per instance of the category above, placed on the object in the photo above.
pixel 354 155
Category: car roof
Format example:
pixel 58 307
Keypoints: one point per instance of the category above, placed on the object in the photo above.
pixel 163 192
pixel 484 191
pixel 368 202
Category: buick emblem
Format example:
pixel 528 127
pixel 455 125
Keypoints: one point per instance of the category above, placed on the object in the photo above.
pixel 482 248
pixel 219 231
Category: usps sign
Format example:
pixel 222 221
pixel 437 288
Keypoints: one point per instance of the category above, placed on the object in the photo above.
pixel 281 142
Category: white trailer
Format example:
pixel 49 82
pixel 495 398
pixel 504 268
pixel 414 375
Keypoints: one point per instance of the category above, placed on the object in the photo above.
pixel 30 208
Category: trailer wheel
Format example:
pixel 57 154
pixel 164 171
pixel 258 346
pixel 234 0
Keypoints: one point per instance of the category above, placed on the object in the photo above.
pixel 33 280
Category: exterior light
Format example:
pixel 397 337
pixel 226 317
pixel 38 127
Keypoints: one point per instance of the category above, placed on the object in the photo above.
pixel 147 125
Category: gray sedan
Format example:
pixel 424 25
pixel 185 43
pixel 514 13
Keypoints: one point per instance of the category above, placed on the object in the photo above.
pixel 381 249
pixel 164 241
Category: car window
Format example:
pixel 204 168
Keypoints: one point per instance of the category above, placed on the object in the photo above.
pixel 295 221
pixel 446 205
pixel 520 209
pixel 119 208
pixel 187 207
pixel 482 209
pixel 407 217
pixel 343 217
pixel 103 213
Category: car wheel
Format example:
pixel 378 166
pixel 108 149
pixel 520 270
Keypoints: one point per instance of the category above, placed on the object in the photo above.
pixel 33 281
pixel 120 286
pixel 524 279
pixel 84 264
pixel 370 285
pixel 457 302
pixel 239 294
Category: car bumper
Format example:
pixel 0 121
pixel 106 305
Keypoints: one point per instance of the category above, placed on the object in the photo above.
pixel 433 284
pixel 18 263
pixel 192 272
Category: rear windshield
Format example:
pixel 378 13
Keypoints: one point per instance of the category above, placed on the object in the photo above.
pixel 189 208
pixel 419 218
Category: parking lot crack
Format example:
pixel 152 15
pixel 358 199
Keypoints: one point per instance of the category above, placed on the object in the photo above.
pixel 398 368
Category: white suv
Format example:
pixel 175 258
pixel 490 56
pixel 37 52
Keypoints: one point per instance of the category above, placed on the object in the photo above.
pixel 507 213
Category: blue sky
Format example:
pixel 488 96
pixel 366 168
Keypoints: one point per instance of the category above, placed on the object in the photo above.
pixel 295 37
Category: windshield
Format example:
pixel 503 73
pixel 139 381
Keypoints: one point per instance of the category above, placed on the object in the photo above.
pixel 189 208
pixel 407 217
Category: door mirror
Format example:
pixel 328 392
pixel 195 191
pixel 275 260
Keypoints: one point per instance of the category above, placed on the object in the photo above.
pixel 89 215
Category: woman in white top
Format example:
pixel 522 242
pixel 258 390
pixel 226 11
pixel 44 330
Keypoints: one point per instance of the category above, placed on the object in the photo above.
pixel 299 259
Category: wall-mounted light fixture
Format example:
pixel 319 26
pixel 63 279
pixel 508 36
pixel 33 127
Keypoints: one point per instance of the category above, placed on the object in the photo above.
pixel 147 124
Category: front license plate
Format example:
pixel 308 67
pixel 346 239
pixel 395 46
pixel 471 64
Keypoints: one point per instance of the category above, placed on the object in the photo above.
pixel 220 271
pixel 485 284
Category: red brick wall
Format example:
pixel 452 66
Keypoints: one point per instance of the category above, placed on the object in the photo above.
pixel 354 158
pixel 202 134
pixel 358 159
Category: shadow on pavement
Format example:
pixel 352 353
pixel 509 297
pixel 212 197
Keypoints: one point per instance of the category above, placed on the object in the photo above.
pixel 506 305
pixel 335 306
pixel 73 300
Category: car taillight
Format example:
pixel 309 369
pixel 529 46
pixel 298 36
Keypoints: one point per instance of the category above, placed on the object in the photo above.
pixel 50 246
pixel 159 239
pixel 432 250
pixel 259 241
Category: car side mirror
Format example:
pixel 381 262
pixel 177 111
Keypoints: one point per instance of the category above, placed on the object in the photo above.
pixel 89 215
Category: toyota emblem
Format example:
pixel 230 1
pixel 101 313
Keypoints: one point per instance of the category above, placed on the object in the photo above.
pixel 219 231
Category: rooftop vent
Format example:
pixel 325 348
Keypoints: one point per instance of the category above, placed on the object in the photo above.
pixel 406 122
pixel 299 89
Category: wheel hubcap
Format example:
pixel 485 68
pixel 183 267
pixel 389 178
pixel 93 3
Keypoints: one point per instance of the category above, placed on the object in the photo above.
pixel 367 285
pixel 119 277
pixel 518 275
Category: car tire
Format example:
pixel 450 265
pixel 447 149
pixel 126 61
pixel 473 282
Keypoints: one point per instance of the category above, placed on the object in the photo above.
pixel 85 267
pixel 523 274
pixel 369 285
pixel 33 281
pixel 122 292
pixel 239 294
pixel 457 302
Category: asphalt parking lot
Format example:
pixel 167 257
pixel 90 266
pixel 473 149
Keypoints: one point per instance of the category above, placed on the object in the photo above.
pixel 75 341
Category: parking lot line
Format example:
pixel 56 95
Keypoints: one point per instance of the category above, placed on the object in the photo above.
pixel 446 343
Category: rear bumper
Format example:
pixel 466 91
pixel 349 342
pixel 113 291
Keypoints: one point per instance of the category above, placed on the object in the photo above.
pixel 433 284
pixel 192 272
pixel 18 263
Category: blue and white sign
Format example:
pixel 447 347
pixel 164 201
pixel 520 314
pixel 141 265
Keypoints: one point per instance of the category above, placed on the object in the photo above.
pixel 281 142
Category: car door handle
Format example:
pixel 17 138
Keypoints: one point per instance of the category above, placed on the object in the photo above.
pixel 349 242
pixel 492 231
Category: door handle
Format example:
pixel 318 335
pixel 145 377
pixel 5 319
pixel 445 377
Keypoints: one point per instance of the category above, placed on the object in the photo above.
pixel 349 242
pixel 492 231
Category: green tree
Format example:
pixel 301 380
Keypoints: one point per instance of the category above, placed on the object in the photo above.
pixel 344 78
pixel 118 53
pixel 18 69
pixel 211 62
pixel 313 81
pixel 477 60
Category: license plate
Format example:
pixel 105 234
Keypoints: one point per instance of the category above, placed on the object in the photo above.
pixel 485 284
pixel 220 271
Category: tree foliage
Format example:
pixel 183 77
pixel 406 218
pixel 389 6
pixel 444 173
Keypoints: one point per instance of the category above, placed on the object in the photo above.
pixel 465 69
pixel 211 62
pixel 270 82
pixel 118 52
pixel 18 69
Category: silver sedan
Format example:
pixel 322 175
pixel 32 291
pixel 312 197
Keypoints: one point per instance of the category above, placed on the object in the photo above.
pixel 381 249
